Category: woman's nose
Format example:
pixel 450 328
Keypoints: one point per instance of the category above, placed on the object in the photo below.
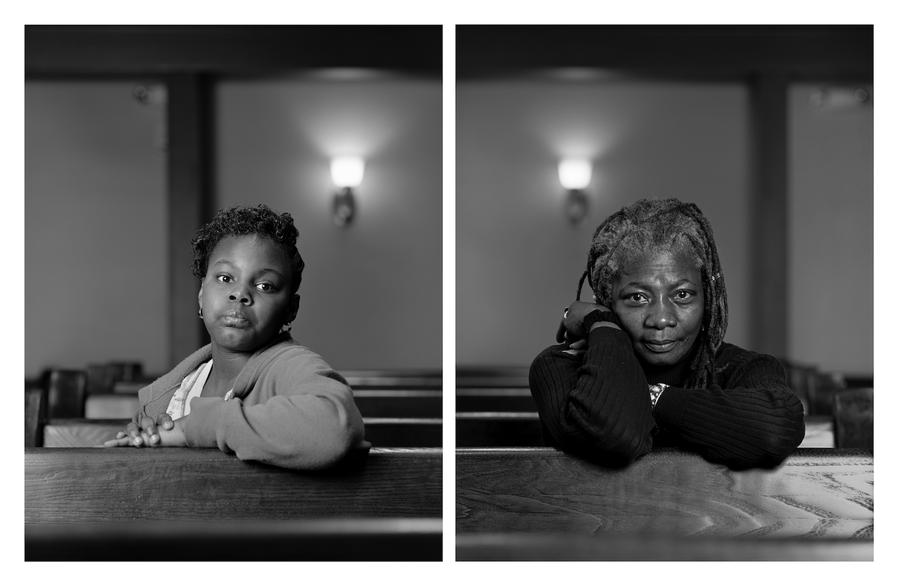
pixel 239 295
pixel 661 317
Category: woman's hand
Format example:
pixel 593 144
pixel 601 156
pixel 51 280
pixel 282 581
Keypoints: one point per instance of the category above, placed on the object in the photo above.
pixel 571 328
pixel 162 432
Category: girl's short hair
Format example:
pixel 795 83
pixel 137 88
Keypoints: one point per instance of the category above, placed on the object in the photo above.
pixel 245 220
pixel 673 226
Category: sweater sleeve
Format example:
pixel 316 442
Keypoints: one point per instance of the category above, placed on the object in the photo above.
pixel 310 422
pixel 755 420
pixel 595 404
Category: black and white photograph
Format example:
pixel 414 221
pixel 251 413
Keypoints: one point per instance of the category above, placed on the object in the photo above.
pixel 462 293
pixel 664 313
pixel 233 293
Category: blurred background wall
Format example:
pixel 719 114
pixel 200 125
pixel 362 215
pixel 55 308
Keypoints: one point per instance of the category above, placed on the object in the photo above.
pixel 95 226
pixel 768 129
pixel 137 135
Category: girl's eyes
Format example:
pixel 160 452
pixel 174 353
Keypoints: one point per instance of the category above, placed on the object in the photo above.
pixel 265 287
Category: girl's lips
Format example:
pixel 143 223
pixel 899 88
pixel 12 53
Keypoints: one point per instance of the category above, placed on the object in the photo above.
pixel 660 348
pixel 234 321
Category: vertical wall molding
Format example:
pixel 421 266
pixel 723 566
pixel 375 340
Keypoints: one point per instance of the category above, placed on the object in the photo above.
pixel 769 222
pixel 189 197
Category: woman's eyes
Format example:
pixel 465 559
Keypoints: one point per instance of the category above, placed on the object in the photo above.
pixel 636 298
pixel 265 287
pixel 680 296
pixel 223 278
pixel 684 296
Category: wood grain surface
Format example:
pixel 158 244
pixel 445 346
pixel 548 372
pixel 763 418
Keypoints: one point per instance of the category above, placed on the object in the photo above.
pixel 814 494
pixel 95 484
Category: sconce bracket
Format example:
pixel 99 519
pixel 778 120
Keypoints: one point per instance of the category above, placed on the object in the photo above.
pixel 576 205
pixel 343 207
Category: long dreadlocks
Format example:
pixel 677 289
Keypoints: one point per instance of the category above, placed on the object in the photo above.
pixel 671 225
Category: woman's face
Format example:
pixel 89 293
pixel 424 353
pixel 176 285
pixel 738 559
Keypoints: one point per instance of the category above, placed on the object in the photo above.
pixel 245 295
pixel 659 300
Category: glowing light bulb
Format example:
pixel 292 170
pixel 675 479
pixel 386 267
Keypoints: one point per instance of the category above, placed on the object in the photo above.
pixel 574 173
pixel 347 171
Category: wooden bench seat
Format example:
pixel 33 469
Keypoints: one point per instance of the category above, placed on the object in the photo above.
pixel 88 503
pixel 817 494
pixel 380 431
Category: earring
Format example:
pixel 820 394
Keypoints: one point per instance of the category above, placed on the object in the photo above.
pixel 285 328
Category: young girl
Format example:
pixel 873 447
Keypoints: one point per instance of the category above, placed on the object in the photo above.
pixel 253 391
pixel 645 364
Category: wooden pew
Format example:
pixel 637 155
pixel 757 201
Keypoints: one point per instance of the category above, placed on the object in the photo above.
pixel 523 429
pixel 424 379
pixel 359 539
pixel 66 390
pixel 35 415
pixel 380 431
pixel 371 403
pixel 494 399
pixel 497 429
pixel 569 547
pixel 149 504
pixel 497 378
pixel 854 415
pixel 821 498
pixel 393 379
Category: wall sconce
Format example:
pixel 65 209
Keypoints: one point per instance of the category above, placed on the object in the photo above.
pixel 575 175
pixel 347 173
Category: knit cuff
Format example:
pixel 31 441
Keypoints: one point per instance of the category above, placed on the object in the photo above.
pixel 598 315
pixel 669 410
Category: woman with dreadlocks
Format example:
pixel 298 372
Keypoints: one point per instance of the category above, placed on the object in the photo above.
pixel 645 364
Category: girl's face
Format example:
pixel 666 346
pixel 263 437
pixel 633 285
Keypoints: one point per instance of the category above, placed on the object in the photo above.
pixel 659 300
pixel 245 295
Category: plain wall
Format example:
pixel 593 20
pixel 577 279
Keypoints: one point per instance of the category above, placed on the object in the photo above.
pixel 518 258
pixel 95 232
pixel 371 292
pixel 831 216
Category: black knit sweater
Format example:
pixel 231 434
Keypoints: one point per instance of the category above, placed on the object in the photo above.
pixel 597 405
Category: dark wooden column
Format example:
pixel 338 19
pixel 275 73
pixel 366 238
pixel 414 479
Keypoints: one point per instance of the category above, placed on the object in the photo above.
pixel 190 196
pixel 769 214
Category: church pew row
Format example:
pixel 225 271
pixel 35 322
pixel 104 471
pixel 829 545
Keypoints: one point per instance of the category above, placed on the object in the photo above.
pixel 357 379
pixel 380 431
pixel 478 399
pixel 181 503
pixel 512 429
pixel 513 504
pixel 371 403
